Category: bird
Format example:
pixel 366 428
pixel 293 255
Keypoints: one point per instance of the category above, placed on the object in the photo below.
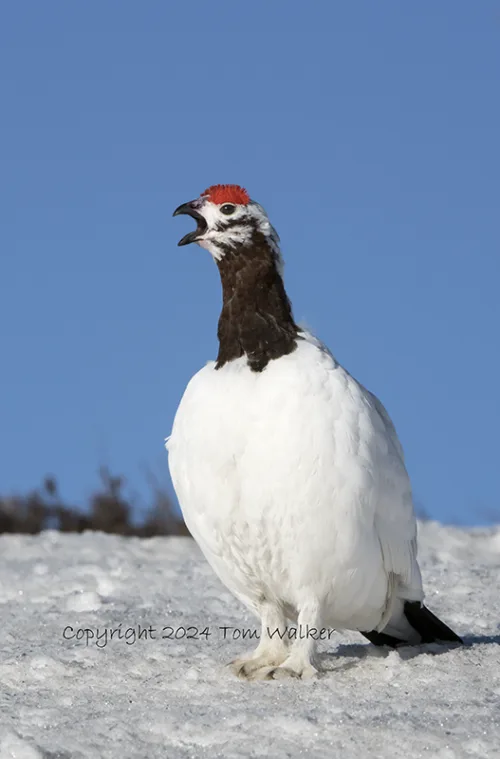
pixel 289 473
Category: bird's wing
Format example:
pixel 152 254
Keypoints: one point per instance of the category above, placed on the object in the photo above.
pixel 395 521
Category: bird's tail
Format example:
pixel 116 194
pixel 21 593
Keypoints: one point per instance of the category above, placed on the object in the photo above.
pixel 423 625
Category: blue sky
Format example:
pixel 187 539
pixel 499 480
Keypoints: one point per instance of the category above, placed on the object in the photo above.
pixel 370 133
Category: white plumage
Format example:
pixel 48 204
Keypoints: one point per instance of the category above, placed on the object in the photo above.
pixel 293 483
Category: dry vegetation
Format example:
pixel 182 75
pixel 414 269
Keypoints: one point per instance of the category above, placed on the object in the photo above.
pixel 109 510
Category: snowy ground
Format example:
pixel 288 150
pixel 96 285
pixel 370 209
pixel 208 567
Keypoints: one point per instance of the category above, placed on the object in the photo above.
pixel 164 697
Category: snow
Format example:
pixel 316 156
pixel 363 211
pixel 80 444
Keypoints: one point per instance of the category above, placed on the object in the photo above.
pixel 147 697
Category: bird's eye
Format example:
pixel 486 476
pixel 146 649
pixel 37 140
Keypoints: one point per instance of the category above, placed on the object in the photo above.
pixel 227 209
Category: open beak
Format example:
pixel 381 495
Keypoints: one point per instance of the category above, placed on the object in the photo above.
pixel 189 210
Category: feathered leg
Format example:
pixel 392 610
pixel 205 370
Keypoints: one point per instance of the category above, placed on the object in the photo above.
pixel 272 649
pixel 301 661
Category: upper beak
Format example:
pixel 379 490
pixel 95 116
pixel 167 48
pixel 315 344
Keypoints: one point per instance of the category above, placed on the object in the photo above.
pixel 188 208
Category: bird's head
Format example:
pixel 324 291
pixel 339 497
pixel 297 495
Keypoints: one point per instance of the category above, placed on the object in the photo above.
pixel 227 220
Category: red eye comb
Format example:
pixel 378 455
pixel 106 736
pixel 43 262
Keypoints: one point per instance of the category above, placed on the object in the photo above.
pixel 227 193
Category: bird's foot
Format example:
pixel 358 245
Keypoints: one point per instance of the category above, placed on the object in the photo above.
pixel 257 667
pixel 260 668
pixel 302 670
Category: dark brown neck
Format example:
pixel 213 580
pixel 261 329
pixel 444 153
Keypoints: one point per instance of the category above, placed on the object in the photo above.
pixel 256 318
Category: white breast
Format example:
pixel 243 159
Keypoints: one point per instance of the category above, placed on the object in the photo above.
pixel 292 481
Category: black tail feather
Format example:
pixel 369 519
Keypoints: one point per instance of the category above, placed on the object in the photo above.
pixel 429 627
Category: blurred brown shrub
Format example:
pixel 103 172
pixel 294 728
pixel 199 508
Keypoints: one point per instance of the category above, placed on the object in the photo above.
pixel 109 511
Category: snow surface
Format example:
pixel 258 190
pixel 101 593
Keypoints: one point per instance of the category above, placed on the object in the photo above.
pixel 165 697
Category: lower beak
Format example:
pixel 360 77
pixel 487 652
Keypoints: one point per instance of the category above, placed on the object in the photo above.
pixel 189 210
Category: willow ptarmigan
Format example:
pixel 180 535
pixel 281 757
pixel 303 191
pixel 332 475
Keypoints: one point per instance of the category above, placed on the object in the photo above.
pixel 289 473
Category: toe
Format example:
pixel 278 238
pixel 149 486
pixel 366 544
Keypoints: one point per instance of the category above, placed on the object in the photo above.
pixel 283 673
pixel 248 671
pixel 307 672
pixel 239 667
